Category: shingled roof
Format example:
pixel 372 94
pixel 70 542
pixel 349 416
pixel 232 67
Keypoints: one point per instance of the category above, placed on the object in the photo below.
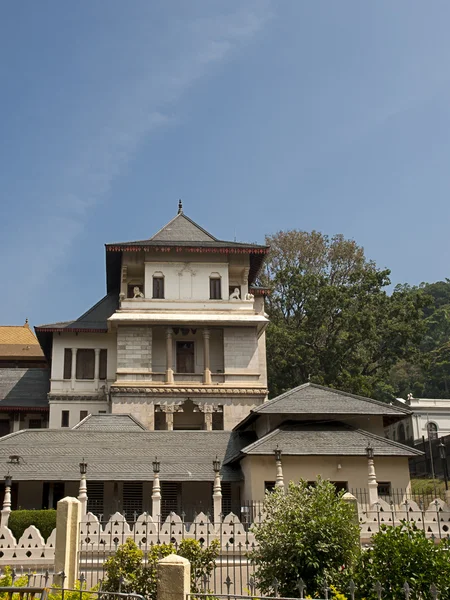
pixel 54 454
pixel 112 422
pixel 314 439
pixel 24 388
pixel 19 342
pixel 312 399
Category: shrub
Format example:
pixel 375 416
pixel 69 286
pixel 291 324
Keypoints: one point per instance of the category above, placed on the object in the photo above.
pixel 399 554
pixel 309 532
pixel 44 520
pixel 202 561
pixel 7 581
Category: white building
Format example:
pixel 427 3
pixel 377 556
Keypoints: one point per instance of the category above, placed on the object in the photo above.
pixel 430 418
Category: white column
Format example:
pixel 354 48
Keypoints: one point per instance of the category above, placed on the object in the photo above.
pixel 6 509
pixel 206 361
pixel 74 367
pixel 279 479
pixel 97 368
pixel 156 498
pixel 16 422
pixel 217 498
pixel 82 495
pixel 169 358
pixel 373 485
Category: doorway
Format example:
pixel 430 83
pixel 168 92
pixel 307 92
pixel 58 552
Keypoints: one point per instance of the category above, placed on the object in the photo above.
pixel 185 357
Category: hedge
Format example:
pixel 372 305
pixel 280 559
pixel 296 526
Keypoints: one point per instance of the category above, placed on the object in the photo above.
pixel 44 520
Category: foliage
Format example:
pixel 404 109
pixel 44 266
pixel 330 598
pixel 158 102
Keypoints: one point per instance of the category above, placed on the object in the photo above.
pixel 75 594
pixel 44 520
pixel 6 580
pixel 309 532
pixel 202 560
pixel 427 487
pixel 128 572
pixel 400 554
pixel 332 320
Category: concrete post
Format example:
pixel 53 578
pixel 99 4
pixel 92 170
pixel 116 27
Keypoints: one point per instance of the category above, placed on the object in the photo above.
pixel 372 482
pixel 156 498
pixel 206 369
pixel 353 502
pixel 217 498
pixel 174 578
pixel 68 517
pixel 169 360
pixel 6 509
pixel 82 495
pixel 279 479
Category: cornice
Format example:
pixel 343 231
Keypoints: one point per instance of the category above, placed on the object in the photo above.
pixel 191 391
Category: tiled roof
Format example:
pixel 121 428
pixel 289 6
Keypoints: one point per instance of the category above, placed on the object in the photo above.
pixel 326 439
pixel 19 341
pixel 310 398
pixel 94 319
pixel 182 229
pixel 24 388
pixel 54 455
pixel 110 423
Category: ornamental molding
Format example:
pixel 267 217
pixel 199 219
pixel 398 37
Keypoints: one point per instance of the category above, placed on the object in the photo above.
pixel 190 391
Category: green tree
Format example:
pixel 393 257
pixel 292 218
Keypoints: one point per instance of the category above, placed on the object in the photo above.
pixel 403 554
pixel 332 320
pixel 309 532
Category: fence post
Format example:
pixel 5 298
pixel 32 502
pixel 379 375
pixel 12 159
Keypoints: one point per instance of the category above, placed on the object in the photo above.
pixel 174 578
pixel 68 518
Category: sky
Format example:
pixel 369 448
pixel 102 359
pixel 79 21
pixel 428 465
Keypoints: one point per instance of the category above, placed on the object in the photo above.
pixel 260 115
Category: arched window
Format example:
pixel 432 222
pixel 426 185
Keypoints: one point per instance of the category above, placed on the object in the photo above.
pixel 401 433
pixel 215 286
pixel 432 429
pixel 158 285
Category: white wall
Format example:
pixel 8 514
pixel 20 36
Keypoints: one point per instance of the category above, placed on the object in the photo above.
pixel 241 349
pixel 74 407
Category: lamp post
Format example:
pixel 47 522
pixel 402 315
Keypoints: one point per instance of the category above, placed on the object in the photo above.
pixel 279 480
pixel 372 478
pixel 6 509
pixel 443 456
pixel 156 491
pixel 82 492
pixel 217 492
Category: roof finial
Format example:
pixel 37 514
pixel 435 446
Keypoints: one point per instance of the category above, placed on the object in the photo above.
pixel 26 321
pixel 180 207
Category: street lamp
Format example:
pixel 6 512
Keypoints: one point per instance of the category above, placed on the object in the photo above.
pixel 277 452
pixel 369 451
pixel 8 480
pixel 83 467
pixel 216 465
pixel 443 456
pixel 156 465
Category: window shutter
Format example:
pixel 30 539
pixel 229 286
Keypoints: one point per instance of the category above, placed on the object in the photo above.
pixel 103 363
pixel 67 363
pixel 85 364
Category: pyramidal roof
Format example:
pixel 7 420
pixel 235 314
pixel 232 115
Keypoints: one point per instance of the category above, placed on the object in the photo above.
pixel 182 229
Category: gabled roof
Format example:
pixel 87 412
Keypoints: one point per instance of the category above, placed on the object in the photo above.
pixel 54 454
pixel 93 320
pixel 18 341
pixel 21 388
pixel 112 422
pixel 336 439
pixel 313 399
pixel 182 229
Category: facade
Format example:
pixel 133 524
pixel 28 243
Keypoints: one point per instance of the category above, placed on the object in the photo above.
pixel 430 419
pixel 178 341
pixel 24 380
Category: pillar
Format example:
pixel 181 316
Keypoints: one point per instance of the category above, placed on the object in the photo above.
pixel 74 367
pixel 169 357
pixel 169 410
pixel 373 485
pixel 156 498
pixel 6 509
pixel 217 499
pixel 206 361
pixel 279 479
pixel 174 578
pixel 68 517
pixel 82 495
pixel 97 368
pixel 16 422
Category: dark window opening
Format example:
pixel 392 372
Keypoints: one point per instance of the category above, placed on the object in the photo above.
pixel 160 421
pixel 269 486
pixel 67 363
pixel 4 427
pixel 384 488
pixel 185 357
pixel 35 424
pixel 83 414
pixel 85 364
pixel 103 358
pixel 65 418
pixel 217 421
pixel 215 291
pixel 158 287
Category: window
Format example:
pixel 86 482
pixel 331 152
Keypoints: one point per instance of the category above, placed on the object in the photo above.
pixel 269 486
pixel 158 286
pixel 401 433
pixel 83 414
pixel 432 431
pixel 215 291
pixel 217 421
pixel 65 418
pixel 185 357
pixel 85 364
pixel 160 421
pixel 67 363
pixel 384 488
pixel 103 364
pixel 35 424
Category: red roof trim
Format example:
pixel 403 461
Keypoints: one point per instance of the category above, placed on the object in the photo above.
pixel 69 330
pixel 194 249
pixel 24 408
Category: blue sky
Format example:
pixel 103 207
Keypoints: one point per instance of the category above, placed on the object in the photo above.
pixel 260 115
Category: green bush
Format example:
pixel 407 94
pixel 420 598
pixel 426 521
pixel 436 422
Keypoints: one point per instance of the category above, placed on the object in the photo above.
pixel 309 532
pixel 44 520
pixel 403 554
pixel 6 581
